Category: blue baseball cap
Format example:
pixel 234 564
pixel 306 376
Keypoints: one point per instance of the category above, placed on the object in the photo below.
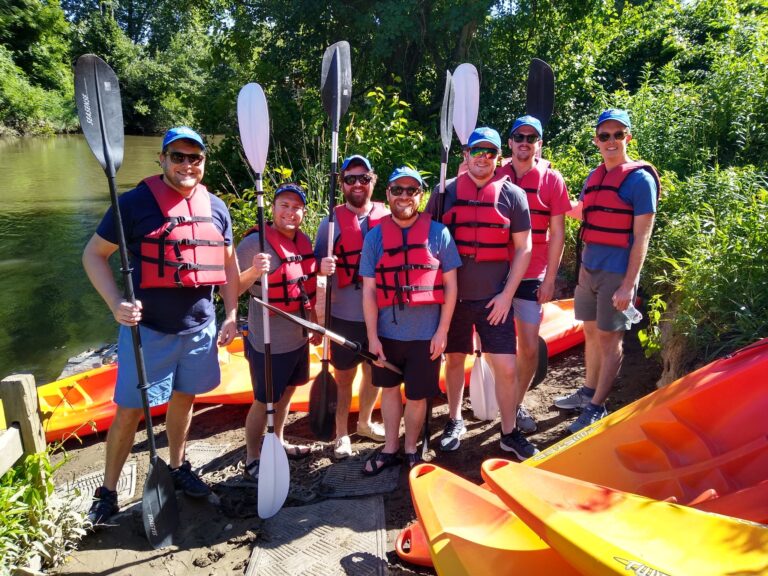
pixel 406 172
pixel 357 159
pixel 614 114
pixel 528 120
pixel 292 187
pixel 484 134
pixel 182 133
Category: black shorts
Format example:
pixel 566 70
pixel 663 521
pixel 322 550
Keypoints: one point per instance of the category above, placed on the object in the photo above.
pixel 288 369
pixel 421 375
pixel 528 290
pixel 344 358
pixel 499 339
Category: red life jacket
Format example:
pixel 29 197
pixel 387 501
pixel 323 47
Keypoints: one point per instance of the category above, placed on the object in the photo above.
pixel 407 272
pixel 293 284
pixel 607 219
pixel 478 228
pixel 187 251
pixel 349 244
pixel 531 183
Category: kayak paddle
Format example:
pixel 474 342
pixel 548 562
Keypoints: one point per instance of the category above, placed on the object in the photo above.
pixel 543 363
pixel 540 94
pixel 274 472
pixel 482 386
pixel 336 92
pixel 466 100
pixel 101 117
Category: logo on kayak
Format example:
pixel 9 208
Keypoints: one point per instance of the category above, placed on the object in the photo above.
pixel 151 522
pixel 567 443
pixel 639 568
pixel 87 109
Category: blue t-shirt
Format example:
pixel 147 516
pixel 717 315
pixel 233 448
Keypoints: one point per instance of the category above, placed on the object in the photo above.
pixel 412 322
pixel 169 310
pixel 639 192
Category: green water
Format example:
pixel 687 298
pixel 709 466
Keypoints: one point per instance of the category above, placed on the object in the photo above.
pixel 52 196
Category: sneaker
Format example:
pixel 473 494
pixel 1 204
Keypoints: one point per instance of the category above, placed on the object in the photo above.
pixel 186 480
pixel 104 505
pixel 588 416
pixel 251 471
pixel 525 421
pixel 374 432
pixel 343 448
pixel 576 401
pixel 518 444
pixel 452 434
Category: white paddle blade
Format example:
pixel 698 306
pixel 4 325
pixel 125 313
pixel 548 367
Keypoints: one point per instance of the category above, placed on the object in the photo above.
pixel 253 120
pixel 274 477
pixel 482 391
pixel 466 100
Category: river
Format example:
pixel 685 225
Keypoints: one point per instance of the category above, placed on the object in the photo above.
pixel 53 195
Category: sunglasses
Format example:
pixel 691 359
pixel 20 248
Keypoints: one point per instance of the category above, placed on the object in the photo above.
pixel 350 179
pixel 179 157
pixel 487 153
pixel 411 191
pixel 530 138
pixel 605 136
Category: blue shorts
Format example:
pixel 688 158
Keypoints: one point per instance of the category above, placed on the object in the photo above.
pixel 343 358
pixel 499 339
pixel 188 363
pixel 288 369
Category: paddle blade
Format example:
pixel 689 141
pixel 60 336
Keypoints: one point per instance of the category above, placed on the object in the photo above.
pixel 482 390
pixel 543 363
pixel 158 505
pixel 540 95
pixel 466 100
pixel 253 121
pixel 336 81
pixel 322 405
pixel 446 112
pixel 97 94
pixel 274 477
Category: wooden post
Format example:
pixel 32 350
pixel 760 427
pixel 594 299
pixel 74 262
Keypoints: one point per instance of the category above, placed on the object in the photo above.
pixel 19 397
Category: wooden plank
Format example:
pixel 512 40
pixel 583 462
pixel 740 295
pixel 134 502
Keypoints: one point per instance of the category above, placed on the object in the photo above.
pixel 19 396
pixel 10 449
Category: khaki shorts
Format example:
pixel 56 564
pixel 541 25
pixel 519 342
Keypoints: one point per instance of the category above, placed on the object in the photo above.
pixel 593 299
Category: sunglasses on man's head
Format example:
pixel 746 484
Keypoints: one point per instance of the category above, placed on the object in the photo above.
pixel 605 136
pixel 487 153
pixel 350 179
pixel 179 157
pixel 530 138
pixel 411 191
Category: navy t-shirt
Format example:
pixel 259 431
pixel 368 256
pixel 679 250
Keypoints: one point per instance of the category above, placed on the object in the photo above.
pixel 168 310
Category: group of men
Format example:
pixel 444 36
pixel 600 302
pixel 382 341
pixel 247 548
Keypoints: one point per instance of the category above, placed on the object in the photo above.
pixel 410 288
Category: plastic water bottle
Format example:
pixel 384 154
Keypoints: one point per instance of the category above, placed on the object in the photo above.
pixel 633 314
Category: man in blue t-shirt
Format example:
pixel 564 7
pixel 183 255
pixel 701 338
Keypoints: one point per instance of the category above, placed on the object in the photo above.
pixel 617 207
pixel 408 266
pixel 174 304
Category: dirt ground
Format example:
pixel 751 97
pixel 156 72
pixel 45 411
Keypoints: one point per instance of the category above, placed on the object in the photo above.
pixel 218 537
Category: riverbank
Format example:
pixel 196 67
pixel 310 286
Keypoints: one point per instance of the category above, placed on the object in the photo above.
pixel 219 538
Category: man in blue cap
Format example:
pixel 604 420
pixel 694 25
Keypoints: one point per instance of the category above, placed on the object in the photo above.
pixel 548 203
pixel 617 206
pixel 489 220
pixel 179 240
pixel 353 220
pixel 408 266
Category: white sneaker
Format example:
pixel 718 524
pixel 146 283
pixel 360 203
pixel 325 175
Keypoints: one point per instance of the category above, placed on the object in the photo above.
pixel 343 448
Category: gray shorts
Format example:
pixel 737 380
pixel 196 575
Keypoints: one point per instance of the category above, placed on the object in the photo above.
pixel 528 311
pixel 593 299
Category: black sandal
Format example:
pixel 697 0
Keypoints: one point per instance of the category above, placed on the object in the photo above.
pixel 379 461
pixel 412 459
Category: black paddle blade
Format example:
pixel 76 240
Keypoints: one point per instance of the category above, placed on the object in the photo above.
pixel 159 507
pixel 322 405
pixel 446 113
pixel 96 82
pixel 336 81
pixel 540 97
pixel 543 363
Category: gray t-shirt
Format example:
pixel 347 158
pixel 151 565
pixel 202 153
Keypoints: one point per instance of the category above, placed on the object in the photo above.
pixel 285 336
pixel 483 280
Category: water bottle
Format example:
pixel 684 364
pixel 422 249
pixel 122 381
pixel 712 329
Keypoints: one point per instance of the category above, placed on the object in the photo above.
pixel 633 314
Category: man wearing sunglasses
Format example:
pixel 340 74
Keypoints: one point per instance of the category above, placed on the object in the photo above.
pixel 179 239
pixel 408 267
pixel 354 219
pixel 617 206
pixel 548 202
pixel 488 217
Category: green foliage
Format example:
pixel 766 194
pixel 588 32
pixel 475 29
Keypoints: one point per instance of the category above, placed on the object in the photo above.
pixel 38 526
